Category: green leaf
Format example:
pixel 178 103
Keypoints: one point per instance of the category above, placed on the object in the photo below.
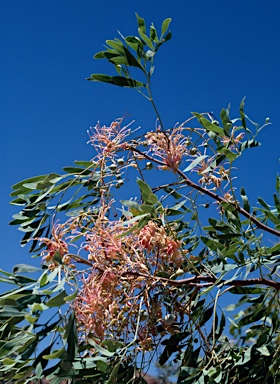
pixel 249 144
pixel 133 220
pixel 9 311
pixel 263 203
pixel 135 43
pixel 19 268
pixel 72 337
pixel 172 345
pixel 85 164
pixel 55 354
pixel 226 121
pixel 245 200
pixel 101 350
pixel 58 300
pixel 165 25
pixel 134 207
pixel 35 179
pixel 195 162
pixel 220 326
pixel 264 350
pixel 125 58
pixel 208 125
pixel 153 33
pixel 146 39
pixel 242 114
pixel 229 154
pixel 147 194
pixel 206 316
pixel 245 358
pixel 277 202
pixel 141 23
pixel 118 46
pixel 77 171
pixel 277 186
pixel 245 290
pixel 117 80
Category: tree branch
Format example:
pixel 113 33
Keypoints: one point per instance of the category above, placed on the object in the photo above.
pixel 196 280
pixel 213 195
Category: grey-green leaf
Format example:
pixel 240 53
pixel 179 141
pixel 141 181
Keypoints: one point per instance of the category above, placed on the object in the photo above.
pixel 165 25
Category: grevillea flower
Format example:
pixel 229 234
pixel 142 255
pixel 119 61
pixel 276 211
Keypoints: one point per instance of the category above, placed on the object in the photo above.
pixel 169 148
pixel 232 141
pixel 109 303
pixel 155 240
pixel 56 245
pixel 107 140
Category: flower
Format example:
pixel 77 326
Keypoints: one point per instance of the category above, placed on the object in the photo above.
pixel 170 148
pixel 107 140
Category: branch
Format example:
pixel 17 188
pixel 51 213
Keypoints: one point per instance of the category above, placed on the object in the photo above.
pixel 220 199
pixel 208 280
pixel 213 195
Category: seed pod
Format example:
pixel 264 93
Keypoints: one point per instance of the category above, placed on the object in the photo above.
pixel 121 162
pixel 144 315
pixel 169 319
pixel 193 151
pixel 149 165
pixel 179 272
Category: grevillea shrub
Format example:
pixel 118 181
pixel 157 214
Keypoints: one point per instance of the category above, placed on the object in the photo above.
pixel 136 270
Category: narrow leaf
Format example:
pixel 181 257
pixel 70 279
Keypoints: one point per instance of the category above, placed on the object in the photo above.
pixel 141 23
pixel 195 162
pixel 165 25
pixel 245 200
pixel 116 80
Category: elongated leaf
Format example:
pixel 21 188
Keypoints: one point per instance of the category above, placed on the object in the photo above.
pixel 229 154
pixel 147 194
pixel 134 42
pixel 141 23
pixel 220 325
pixel 195 162
pixel 249 144
pixel 117 80
pixel 277 184
pixel 277 202
pixel 55 354
pixel 246 290
pixel 153 33
pixel 165 25
pixel 242 114
pixel 58 300
pixel 206 316
pixel 118 46
pixel 35 179
pixel 146 39
pixel 172 346
pixel 208 125
pixel 25 268
pixel 101 350
pixel 133 220
pixel 245 200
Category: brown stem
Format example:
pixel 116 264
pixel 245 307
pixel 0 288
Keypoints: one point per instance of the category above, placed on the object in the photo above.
pixel 220 199
pixel 208 280
pixel 213 195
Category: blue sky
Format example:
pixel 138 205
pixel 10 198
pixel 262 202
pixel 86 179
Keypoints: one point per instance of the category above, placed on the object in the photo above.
pixel 220 52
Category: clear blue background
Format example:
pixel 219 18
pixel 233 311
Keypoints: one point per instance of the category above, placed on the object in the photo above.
pixel 220 52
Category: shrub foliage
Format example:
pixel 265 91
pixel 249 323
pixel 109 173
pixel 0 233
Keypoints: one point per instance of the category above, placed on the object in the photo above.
pixel 175 267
